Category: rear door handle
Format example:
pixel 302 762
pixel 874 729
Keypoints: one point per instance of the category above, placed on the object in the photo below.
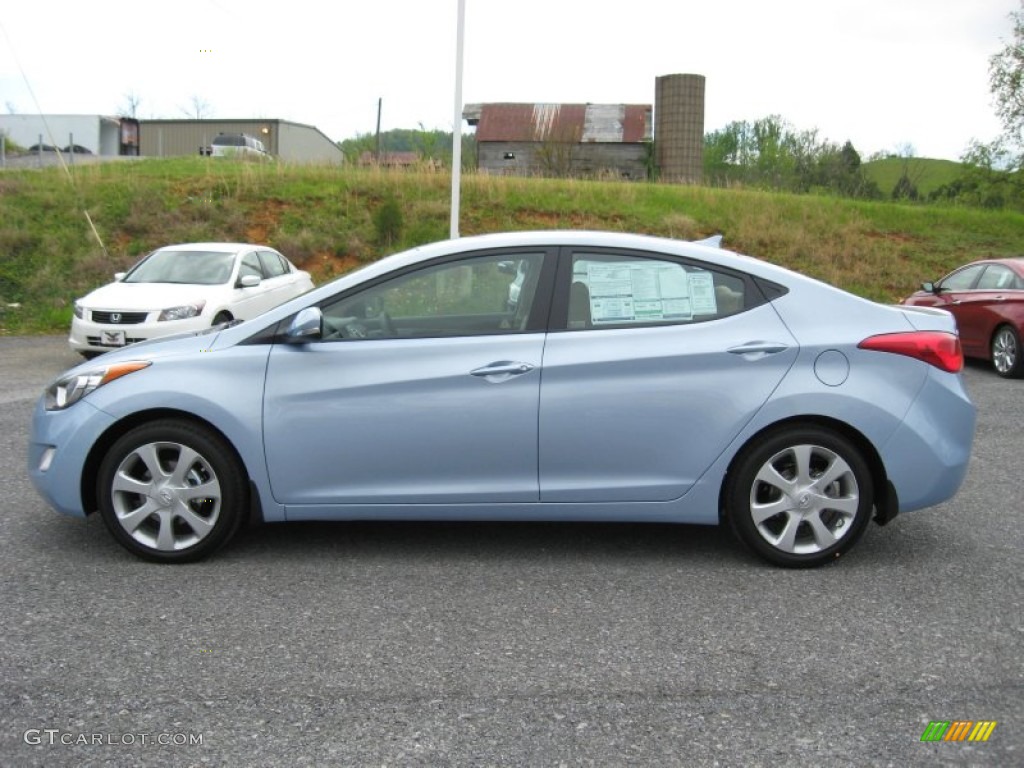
pixel 501 371
pixel 755 350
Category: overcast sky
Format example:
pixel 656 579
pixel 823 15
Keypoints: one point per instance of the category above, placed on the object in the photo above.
pixel 881 73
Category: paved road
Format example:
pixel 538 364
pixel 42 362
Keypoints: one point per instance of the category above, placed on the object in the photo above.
pixel 517 645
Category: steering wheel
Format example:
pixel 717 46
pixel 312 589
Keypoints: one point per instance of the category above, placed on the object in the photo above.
pixel 354 330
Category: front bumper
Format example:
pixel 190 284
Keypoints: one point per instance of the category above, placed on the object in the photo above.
pixel 89 336
pixel 58 448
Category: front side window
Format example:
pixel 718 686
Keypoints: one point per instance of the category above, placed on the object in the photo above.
pixel 612 290
pixel 963 279
pixel 250 266
pixel 482 295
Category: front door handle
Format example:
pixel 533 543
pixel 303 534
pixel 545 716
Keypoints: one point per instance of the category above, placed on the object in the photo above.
pixel 501 371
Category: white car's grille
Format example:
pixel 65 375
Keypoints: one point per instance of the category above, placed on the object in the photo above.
pixel 118 318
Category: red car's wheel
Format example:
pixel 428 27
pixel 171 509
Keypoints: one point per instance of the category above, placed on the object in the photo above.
pixel 1006 357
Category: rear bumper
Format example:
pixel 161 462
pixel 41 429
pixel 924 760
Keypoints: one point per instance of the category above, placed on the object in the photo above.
pixel 927 456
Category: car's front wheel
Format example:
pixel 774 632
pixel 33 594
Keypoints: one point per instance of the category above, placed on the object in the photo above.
pixel 800 497
pixel 172 491
pixel 1006 357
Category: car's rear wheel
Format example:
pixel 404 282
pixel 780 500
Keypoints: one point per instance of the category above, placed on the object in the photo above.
pixel 800 497
pixel 1006 356
pixel 172 491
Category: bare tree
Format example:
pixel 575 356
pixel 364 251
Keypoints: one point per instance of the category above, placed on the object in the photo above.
pixel 199 109
pixel 556 149
pixel 130 106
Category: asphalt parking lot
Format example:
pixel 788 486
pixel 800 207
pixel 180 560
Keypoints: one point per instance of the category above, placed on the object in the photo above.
pixel 511 644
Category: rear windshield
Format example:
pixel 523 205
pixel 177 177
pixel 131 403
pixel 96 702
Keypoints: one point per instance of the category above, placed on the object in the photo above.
pixel 230 140
pixel 191 267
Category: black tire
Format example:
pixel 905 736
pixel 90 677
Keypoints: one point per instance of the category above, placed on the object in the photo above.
pixel 222 317
pixel 89 355
pixel 140 473
pixel 794 522
pixel 1006 355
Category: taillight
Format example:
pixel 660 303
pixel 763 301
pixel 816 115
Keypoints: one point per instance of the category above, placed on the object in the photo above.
pixel 933 347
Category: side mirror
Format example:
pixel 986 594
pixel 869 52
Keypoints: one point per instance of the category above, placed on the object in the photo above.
pixel 119 276
pixel 248 281
pixel 306 326
pixel 929 287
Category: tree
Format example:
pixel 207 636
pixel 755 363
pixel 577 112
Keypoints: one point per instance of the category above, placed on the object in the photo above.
pixel 992 174
pixel 198 110
pixel 910 174
pixel 1006 82
pixel 130 106
pixel 556 150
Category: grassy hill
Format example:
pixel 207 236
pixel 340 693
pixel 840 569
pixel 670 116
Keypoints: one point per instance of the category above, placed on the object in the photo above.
pixel 327 220
pixel 927 175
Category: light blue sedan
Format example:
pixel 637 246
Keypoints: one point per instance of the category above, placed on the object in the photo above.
pixel 632 379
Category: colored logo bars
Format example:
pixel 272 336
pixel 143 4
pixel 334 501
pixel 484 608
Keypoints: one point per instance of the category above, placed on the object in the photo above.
pixel 958 730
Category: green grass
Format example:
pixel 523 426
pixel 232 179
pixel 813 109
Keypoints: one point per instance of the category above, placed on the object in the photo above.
pixel 927 175
pixel 324 219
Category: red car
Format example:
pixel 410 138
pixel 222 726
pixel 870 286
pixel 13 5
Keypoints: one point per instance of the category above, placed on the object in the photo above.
pixel 987 300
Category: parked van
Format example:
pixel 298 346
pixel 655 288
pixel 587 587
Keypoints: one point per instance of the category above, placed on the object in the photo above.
pixel 237 144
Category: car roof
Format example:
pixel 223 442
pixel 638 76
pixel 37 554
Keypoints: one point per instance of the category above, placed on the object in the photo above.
pixel 218 247
pixel 699 251
pixel 1014 262
pixel 577 239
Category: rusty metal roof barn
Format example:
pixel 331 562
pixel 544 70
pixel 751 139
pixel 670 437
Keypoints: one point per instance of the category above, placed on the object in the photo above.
pixel 586 140
pixel 586 123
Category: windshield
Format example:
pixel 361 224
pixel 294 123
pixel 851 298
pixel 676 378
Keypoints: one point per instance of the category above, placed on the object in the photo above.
pixel 187 267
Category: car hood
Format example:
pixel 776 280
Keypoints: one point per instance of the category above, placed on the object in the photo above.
pixel 146 296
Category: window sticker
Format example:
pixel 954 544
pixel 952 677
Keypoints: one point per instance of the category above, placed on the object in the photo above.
pixel 702 293
pixel 639 292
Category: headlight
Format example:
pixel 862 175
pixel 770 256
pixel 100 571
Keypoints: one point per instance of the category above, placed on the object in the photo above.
pixel 72 387
pixel 77 309
pixel 183 312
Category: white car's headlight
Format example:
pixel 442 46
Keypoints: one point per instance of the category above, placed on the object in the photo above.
pixel 77 309
pixel 183 312
pixel 72 387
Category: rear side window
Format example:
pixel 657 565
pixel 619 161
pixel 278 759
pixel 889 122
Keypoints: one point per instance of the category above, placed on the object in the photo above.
pixel 997 278
pixel 611 290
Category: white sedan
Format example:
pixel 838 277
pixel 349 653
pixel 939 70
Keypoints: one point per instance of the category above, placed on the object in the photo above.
pixel 183 288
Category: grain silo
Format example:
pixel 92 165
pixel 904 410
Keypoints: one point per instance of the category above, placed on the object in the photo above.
pixel 679 127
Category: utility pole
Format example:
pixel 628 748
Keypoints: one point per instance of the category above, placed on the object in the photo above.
pixel 457 123
pixel 380 105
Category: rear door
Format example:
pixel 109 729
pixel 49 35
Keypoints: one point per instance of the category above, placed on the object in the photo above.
pixel 659 364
